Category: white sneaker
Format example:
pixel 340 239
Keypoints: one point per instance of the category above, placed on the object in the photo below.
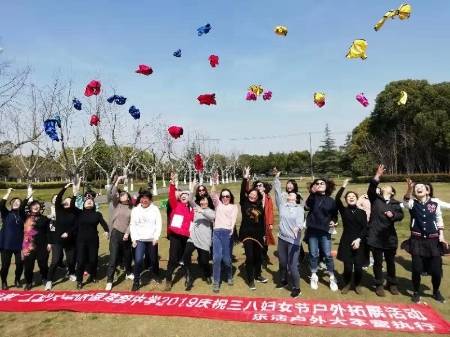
pixel 130 277
pixel 48 285
pixel 333 284
pixel 72 278
pixel 108 286
pixel 314 281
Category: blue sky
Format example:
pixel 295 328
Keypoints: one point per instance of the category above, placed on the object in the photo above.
pixel 83 40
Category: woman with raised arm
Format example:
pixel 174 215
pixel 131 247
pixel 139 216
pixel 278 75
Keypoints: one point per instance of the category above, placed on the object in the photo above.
pixel 11 237
pixel 181 218
pixel 252 231
pixel 119 241
pixel 87 221
pixel 35 245
pixel 199 239
pixel 351 249
pixel 63 235
pixel 381 234
pixel 145 231
pixel 224 224
pixel 320 221
pixel 292 217
pixel 427 236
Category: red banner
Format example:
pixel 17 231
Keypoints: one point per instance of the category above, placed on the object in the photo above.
pixel 355 315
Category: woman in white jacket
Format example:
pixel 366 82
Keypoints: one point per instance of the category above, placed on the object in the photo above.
pixel 145 230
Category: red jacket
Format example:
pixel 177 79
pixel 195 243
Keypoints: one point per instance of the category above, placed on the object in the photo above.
pixel 181 215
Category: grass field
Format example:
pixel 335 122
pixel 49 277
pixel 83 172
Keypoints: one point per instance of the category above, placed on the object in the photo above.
pixel 76 324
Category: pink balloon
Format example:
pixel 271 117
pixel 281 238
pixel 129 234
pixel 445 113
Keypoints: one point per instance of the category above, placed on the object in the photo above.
pixel 362 99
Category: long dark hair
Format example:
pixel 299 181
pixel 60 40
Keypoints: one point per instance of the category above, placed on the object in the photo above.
pixel 330 185
pixel 231 195
pixel 198 197
pixel 294 190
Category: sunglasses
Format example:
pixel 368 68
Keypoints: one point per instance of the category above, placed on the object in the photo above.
pixel 226 196
pixel 259 185
pixel 320 183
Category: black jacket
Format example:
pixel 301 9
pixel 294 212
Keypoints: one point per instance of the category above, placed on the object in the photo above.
pixel 65 220
pixel 253 225
pixel 322 210
pixel 381 230
pixel 86 223
pixel 354 223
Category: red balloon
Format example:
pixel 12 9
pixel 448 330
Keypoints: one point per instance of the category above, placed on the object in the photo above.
pixel 93 88
pixel 175 131
pixel 213 60
pixel 207 99
pixel 94 120
pixel 198 162
pixel 144 70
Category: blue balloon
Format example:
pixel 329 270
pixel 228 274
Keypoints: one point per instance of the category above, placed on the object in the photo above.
pixel 177 53
pixel 76 104
pixel 50 128
pixel 134 112
pixel 204 29
pixel 119 100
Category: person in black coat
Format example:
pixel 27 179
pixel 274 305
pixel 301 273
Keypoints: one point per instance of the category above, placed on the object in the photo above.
pixel 252 231
pixel 320 221
pixel 382 236
pixel 86 222
pixel 63 235
pixel 11 237
pixel 351 246
pixel 35 245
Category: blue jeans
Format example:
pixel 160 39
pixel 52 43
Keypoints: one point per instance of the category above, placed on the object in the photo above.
pixel 288 254
pixel 324 240
pixel 143 248
pixel 221 253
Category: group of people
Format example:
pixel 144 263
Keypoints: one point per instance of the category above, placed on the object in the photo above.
pixel 206 223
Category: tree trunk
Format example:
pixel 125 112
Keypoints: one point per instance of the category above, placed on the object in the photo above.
pixel 154 189
pixel 163 180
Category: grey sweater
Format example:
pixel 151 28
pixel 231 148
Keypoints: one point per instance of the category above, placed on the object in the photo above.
pixel 292 217
pixel 120 215
pixel 201 228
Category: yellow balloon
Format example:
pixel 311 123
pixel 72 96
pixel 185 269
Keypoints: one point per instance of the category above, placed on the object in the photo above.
pixel 281 30
pixel 357 49
pixel 403 12
pixel 256 89
pixel 403 98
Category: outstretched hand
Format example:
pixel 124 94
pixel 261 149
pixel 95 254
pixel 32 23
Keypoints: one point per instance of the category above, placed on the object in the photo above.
pixel 345 183
pixel 246 172
pixel 276 173
pixel 380 171
pixel 68 185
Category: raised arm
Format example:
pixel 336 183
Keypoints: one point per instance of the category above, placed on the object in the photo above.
pixel 172 192
pixel 4 211
pixel 214 195
pixel 408 200
pixel 372 190
pixel 244 184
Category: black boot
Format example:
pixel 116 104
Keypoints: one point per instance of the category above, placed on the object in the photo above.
pixel 28 286
pixel 79 285
pixel 135 286
pixel 17 284
pixel 189 280
pixel 4 286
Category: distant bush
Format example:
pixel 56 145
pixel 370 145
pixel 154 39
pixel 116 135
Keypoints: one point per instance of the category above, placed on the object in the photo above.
pixel 426 177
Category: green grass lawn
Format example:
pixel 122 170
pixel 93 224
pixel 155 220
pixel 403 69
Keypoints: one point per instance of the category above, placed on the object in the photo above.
pixel 76 324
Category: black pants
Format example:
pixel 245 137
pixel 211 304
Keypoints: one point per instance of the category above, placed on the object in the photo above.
pixel 253 253
pixel 354 269
pixel 389 256
pixel 176 251
pixel 430 264
pixel 203 259
pixel 41 255
pixel 57 253
pixel 118 246
pixel 6 256
pixel 87 257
